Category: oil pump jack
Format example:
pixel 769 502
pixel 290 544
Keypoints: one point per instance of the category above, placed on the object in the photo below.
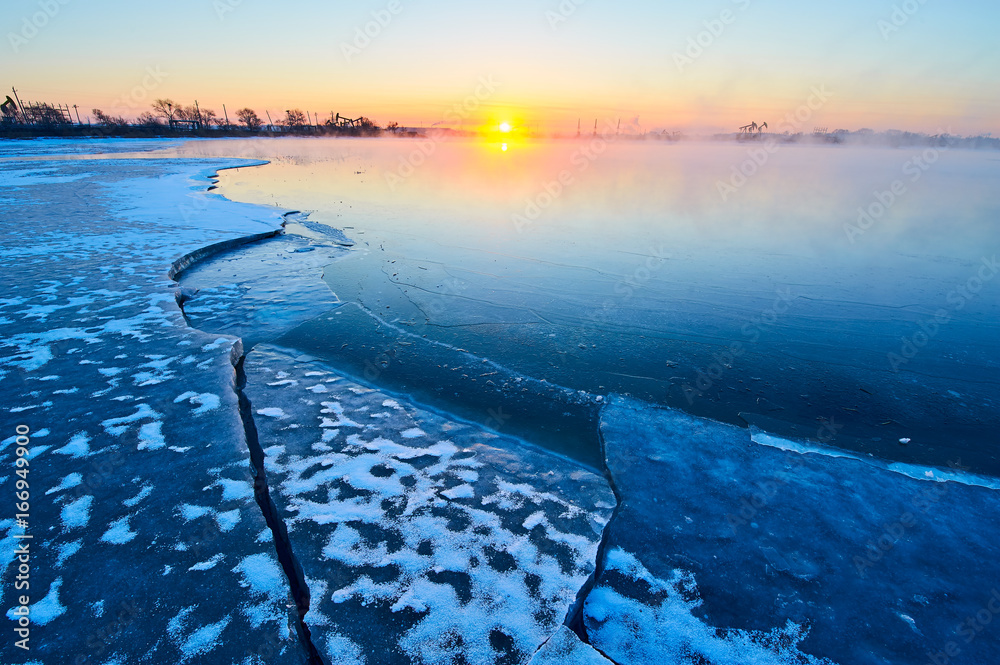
pixel 341 121
pixel 9 110
pixel 753 127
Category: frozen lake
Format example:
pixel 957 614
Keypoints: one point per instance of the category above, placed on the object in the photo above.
pixel 628 267
pixel 428 537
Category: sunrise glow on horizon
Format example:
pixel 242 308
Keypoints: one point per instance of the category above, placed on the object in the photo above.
pixel 542 67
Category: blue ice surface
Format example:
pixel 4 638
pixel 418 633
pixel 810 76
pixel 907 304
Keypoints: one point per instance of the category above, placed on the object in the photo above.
pixel 261 290
pixel 794 556
pixel 82 146
pixel 640 279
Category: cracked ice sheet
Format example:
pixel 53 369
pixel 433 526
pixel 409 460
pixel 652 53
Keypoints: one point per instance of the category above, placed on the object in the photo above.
pixel 422 539
pixel 565 648
pixel 797 555
pixel 132 415
pixel 276 281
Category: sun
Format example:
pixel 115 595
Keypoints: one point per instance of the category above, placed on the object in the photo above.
pixel 505 127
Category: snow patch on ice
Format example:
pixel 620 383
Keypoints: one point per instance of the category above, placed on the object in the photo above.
pixel 77 514
pixel 33 351
pixel 262 575
pixel 227 520
pixel 145 491
pixel 460 492
pixel 203 640
pixel 405 527
pixel 191 512
pixel 72 480
pixel 235 490
pixel 48 608
pixel 119 533
pixel 151 436
pixel 66 550
pixel 205 401
pixel 343 651
pixel 338 410
pixel 118 426
pixel 208 564
pixel 630 630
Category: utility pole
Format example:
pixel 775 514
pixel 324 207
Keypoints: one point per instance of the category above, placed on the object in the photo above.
pixel 197 112
pixel 270 123
pixel 77 109
pixel 225 113
pixel 24 116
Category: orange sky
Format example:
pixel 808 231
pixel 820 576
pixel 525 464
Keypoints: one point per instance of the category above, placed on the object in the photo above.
pixel 654 66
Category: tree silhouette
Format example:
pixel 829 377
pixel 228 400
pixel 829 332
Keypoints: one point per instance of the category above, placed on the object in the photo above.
pixel 295 118
pixel 368 126
pixel 249 119
pixel 147 119
pixel 167 108
pixel 109 120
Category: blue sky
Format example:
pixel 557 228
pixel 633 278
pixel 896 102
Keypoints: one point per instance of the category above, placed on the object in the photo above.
pixel 936 69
